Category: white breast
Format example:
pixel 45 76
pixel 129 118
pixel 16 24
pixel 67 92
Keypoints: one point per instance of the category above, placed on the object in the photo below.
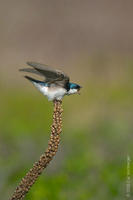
pixel 51 93
pixel 72 91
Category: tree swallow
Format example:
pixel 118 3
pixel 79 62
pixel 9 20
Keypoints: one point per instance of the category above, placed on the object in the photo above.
pixel 56 84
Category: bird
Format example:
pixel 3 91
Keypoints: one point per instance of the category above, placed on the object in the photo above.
pixel 56 83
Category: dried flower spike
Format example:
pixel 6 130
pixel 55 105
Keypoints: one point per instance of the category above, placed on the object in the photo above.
pixel 39 166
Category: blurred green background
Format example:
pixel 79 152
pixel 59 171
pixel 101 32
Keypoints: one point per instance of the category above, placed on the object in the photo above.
pixel 92 41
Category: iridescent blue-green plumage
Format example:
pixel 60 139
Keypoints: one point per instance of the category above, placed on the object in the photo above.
pixel 74 86
pixel 36 81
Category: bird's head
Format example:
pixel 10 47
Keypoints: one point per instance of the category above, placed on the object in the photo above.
pixel 74 88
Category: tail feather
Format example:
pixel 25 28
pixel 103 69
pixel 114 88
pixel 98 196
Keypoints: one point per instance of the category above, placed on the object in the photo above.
pixel 33 80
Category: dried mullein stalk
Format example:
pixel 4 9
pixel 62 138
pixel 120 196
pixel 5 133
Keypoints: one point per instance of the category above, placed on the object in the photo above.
pixel 39 166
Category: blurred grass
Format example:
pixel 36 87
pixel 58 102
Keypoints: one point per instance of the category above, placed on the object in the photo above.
pixel 97 137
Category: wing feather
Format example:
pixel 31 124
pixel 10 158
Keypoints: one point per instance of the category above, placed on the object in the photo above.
pixel 34 71
pixel 50 74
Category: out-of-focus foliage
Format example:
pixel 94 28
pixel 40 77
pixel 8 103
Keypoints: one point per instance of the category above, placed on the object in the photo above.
pixel 97 137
